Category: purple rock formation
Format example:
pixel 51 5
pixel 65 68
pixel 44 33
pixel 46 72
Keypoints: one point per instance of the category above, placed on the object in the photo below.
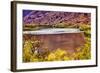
pixel 54 17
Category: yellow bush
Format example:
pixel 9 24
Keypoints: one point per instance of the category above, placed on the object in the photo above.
pixel 51 57
pixel 60 52
pixel 33 58
pixel 83 52
pixel 58 55
pixel 65 58
pixel 27 51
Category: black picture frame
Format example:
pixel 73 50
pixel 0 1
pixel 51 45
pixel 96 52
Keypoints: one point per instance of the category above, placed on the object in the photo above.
pixel 14 35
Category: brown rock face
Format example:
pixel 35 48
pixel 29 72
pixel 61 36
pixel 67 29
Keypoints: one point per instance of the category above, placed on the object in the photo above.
pixel 66 41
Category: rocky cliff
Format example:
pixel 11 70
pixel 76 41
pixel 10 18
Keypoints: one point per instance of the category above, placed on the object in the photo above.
pixel 55 17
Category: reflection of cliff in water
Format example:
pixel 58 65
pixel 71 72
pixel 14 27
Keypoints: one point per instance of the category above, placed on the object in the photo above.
pixel 68 39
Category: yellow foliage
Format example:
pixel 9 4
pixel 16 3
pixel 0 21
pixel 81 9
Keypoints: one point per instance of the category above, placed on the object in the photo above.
pixel 78 49
pixel 34 59
pixel 58 55
pixel 65 58
pixel 83 52
pixel 60 52
pixel 51 57
pixel 27 51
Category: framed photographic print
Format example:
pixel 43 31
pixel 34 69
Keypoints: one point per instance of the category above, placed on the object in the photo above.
pixel 47 36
